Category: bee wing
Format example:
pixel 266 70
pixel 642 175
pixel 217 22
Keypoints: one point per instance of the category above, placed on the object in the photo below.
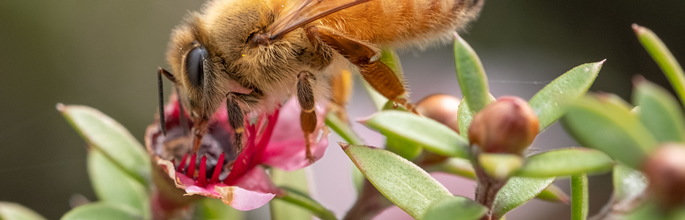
pixel 303 12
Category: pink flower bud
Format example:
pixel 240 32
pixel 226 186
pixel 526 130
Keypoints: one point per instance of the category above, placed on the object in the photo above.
pixel 508 125
pixel 441 108
pixel 665 170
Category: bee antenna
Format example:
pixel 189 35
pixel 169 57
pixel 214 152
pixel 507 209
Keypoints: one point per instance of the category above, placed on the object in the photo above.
pixel 316 17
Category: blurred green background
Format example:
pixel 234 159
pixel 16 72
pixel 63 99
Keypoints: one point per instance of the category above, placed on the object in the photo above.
pixel 104 54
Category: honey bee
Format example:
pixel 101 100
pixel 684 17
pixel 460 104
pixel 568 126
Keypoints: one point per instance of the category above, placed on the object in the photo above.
pixel 253 54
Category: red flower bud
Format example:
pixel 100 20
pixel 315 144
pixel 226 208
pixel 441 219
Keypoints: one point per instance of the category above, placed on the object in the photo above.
pixel 441 108
pixel 665 170
pixel 508 125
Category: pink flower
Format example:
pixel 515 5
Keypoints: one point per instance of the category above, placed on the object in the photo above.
pixel 237 178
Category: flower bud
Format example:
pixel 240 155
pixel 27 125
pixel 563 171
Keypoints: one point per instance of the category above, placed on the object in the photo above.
pixel 441 108
pixel 508 125
pixel 665 170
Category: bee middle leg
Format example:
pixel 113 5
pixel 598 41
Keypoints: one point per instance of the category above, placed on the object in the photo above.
pixel 236 116
pixel 305 96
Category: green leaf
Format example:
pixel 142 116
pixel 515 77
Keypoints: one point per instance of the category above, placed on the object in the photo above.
pixel 607 125
pixel 628 183
pixel 463 168
pixel 464 117
pixel 215 209
pixel 566 162
pixel 659 112
pixel 500 166
pixel 470 74
pixel 405 149
pixel 411 128
pixel 401 181
pixel 580 198
pixel 341 128
pixel 660 53
pixel 302 200
pixel 13 211
pixel 456 166
pixel 358 180
pixel 455 208
pixel 553 194
pixel 549 103
pixel 296 180
pixel 102 211
pixel 517 192
pixel 112 185
pixel 108 136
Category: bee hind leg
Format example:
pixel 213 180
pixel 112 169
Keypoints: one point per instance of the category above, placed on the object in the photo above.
pixel 305 96
pixel 361 54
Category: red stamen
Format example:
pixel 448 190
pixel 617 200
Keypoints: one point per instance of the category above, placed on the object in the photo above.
pixel 183 163
pixel 202 178
pixel 217 169
pixel 191 168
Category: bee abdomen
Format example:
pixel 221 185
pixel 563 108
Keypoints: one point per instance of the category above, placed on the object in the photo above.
pixel 404 22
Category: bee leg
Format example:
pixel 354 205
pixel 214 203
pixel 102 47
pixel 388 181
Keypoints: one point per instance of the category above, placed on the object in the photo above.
pixel 305 96
pixel 235 119
pixel 376 73
pixel 341 88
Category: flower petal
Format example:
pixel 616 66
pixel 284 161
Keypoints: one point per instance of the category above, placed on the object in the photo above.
pixel 257 180
pixel 242 199
pixel 286 150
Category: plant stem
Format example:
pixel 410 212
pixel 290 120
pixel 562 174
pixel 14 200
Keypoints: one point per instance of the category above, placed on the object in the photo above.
pixel 660 53
pixel 342 129
pixel 579 197
pixel 293 197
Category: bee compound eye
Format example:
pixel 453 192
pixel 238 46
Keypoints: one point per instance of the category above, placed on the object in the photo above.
pixel 195 65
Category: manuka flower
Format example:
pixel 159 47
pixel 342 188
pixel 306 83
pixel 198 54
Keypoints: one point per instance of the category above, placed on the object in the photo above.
pixel 237 178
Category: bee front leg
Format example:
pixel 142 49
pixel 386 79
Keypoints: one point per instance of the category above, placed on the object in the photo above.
pixel 305 96
pixel 236 119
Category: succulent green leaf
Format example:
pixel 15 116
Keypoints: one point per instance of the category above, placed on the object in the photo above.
pixel 549 103
pixel 566 162
pixel 500 166
pixel 456 166
pixel 659 112
pixel 553 194
pixel 13 211
pixel 401 181
pixel 411 128
pixel 470 74
pixel 464 117
pixel 580 198
pixel 660 53
pixel 341 128
pixel 114 186
pixel 303 200
pixel 111 138
pixel 297 180
pixel 604 124
pixel 455 208
pixel 517 192
pixel 408 150
pixel 102 211
pixel 463 168
pixel 215 209
pixel 628 183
